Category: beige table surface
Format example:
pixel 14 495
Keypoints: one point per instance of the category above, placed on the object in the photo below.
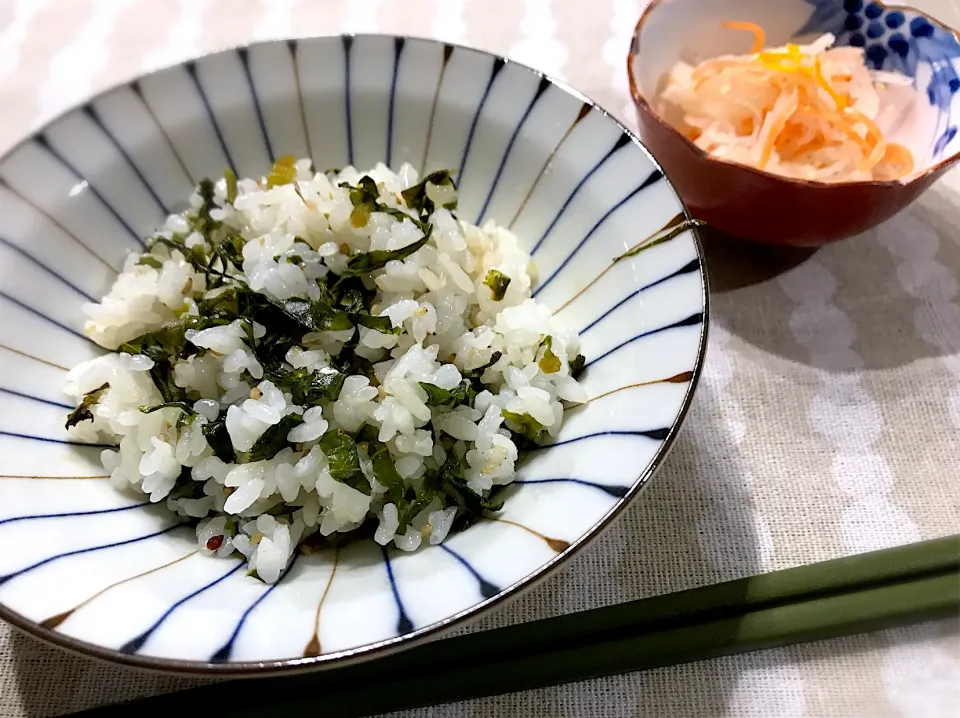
pixel 826 422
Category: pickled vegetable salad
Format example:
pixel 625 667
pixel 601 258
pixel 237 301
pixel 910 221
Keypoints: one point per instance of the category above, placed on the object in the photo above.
pixel 813 112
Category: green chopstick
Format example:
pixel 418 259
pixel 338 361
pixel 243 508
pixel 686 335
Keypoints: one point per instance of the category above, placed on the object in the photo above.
pixel 901 563
pixel 839 615
pixel 848 595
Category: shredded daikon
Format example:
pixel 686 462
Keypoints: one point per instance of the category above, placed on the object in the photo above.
pixel 805 111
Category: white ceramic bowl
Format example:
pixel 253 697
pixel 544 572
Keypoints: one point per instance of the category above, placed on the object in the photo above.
pixel 98 571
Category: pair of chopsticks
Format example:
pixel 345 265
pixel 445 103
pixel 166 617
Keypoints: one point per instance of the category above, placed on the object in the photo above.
pixel 865 592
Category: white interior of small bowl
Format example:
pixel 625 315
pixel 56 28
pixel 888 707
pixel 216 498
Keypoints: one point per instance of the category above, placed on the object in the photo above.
pixel 93 564
pixel 894 39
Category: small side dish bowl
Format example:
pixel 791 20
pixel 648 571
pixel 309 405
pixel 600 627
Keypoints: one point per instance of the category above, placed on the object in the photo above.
pixel 111 575
pixel 759 206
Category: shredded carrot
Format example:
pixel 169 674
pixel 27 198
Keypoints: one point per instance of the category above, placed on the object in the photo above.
pixel 839 100
pixel 777 123
pixel 758 34
pixel 875 145
pixel 899 159
pixel 847 128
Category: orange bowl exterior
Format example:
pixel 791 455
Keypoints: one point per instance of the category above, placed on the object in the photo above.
pixel 761 207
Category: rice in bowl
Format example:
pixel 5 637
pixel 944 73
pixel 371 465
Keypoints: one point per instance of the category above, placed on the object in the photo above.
pixel 307 357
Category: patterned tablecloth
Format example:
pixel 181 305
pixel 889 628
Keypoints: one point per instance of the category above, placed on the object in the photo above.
pixel 825 424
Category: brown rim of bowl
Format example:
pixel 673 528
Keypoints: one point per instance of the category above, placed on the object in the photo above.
pixel 641 101
pixel 378 649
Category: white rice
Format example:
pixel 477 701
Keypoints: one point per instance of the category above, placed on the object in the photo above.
pixel 450 325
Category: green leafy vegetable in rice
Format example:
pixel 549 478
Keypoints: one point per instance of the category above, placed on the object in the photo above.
pixel 316 356
pixel 84 412
pixel 498 283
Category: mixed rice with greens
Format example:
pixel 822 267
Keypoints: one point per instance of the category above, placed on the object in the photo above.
pixel 307 357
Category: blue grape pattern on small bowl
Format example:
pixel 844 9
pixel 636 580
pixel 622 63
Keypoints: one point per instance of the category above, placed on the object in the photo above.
pixel 899 40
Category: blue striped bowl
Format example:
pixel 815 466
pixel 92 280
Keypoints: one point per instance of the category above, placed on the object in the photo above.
pixel 98 571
